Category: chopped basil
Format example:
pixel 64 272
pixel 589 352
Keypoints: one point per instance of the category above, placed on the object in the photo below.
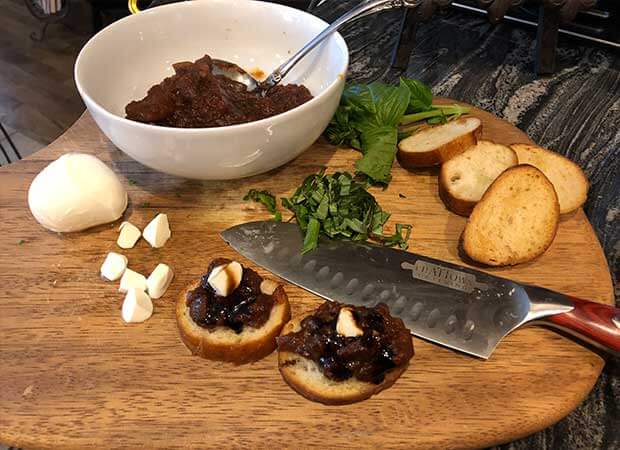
pixel 312 235
pixel 267 199
pixel 337 206
pixel 341 208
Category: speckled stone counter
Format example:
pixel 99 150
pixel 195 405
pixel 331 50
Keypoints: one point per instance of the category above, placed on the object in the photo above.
pixel 576 112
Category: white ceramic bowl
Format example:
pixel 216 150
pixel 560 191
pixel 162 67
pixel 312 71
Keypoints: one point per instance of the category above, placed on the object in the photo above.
pixel 122 61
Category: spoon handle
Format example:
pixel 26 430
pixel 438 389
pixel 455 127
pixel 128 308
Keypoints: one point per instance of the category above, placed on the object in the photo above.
pixel 364 9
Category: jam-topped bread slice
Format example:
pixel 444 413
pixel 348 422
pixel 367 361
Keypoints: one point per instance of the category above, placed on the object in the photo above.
pixel 232 313
pixel 343 354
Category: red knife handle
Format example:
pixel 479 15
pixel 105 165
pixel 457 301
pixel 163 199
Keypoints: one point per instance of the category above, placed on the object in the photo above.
pixel 593 322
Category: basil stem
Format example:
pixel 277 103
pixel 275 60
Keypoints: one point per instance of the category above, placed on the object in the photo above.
pixel 438 110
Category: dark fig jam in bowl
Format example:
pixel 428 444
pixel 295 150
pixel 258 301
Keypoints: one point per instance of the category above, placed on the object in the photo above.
pixel 197 97
pixel 121 63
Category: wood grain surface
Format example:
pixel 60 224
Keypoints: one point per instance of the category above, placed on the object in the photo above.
pixel 74 375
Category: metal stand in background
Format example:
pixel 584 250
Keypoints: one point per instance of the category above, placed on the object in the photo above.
pixel 547 39
pixel 552 14
pixel 10 141
pixel 47 19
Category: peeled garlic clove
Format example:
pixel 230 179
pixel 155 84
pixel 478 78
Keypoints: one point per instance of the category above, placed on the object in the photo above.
pixel 346 325
pixel 226 278
pixel 131 279
pixel 158 281
pixel 113 266
pixel 268 287
pixel 157 232
pixel 128 236
pixel 137 306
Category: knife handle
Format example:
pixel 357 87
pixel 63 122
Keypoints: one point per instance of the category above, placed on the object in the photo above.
pixel 593 322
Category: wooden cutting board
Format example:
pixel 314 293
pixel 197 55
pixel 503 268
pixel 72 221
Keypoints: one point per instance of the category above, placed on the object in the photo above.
pixel 74 375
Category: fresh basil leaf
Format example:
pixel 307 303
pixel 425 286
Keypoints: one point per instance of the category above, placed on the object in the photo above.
pixel 421 97
pixel 392 105
pixel 367 111
pixel 362 98
pixel 340 130
pixel 380 144
pixel 377 104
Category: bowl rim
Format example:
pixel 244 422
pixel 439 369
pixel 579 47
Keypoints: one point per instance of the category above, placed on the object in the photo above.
pixel 340 42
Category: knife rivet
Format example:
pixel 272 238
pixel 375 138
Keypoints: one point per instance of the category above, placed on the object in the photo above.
pixel 269 247
pixel 468 330
pixel 451 324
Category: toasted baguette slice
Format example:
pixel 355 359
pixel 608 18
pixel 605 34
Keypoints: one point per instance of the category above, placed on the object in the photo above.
pixel 516 219
pixel 465 178
pixel 305 377
pixel 224 344
pixel 436 145
pixel 568 179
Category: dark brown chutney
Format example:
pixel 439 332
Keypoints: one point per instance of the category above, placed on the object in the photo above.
pixel 245 306
pixel 196 98
pixel 385 344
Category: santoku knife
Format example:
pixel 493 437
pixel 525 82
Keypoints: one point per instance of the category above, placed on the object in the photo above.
pixel 458 307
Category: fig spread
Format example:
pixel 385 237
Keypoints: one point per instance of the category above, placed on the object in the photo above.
pixel 384 344
pixel 195 98
pixel 245 306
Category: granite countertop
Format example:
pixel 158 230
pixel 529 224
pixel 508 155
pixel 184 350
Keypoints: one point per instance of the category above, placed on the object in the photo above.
pixel 576 112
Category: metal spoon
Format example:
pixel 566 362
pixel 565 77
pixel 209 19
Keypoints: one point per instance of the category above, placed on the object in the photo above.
pixel 366 8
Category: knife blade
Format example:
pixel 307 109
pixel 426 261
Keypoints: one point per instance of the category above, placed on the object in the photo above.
pixel 451 305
